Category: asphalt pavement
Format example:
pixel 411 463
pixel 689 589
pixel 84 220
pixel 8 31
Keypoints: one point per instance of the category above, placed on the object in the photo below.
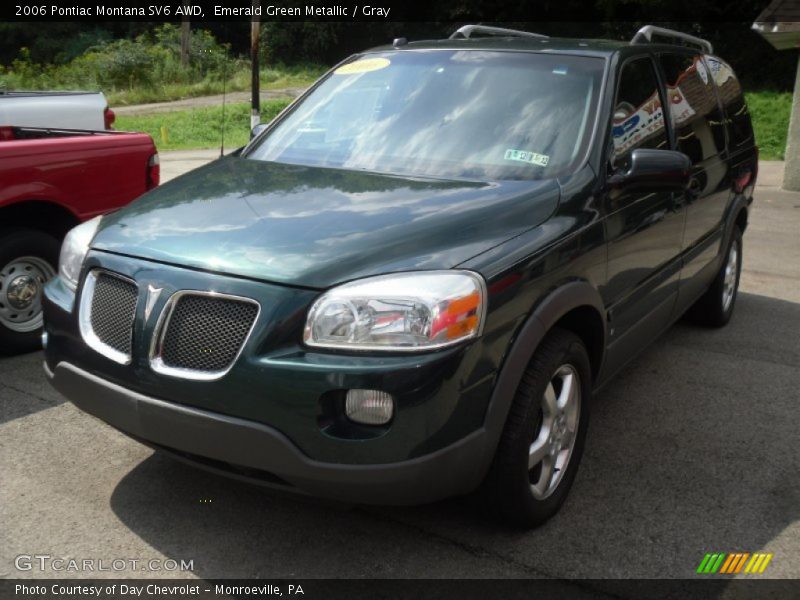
pixel 692 449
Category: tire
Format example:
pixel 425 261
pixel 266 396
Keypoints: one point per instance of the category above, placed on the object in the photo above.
pixel 514 491
pixel 715 307
pixel 28 259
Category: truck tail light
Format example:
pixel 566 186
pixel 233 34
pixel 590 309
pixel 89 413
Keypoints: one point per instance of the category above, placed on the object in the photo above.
pixel 109 117
pixel 153 171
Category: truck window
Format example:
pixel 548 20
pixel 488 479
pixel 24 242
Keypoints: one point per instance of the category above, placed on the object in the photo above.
pixel 638 119
pixel 693 107
pixel 740 129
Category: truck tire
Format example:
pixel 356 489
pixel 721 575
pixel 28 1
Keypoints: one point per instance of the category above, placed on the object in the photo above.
pixel 542 442
pixel 715 307
pixel 28 259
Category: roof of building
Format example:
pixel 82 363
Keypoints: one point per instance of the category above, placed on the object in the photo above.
pixel 779 23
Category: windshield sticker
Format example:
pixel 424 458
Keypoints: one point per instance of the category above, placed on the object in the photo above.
pixel 363 66
pixel 533 158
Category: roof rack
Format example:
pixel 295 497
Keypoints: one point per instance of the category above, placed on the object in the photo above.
pixel 645 36
pixel 467 30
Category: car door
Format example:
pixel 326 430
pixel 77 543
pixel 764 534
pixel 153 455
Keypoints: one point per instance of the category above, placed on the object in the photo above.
pixel 644 230
pixel 695 117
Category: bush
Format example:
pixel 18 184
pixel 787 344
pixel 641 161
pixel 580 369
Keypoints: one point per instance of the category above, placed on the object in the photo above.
pixel 148 60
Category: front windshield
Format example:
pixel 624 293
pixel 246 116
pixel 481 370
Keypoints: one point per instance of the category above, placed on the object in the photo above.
pixel 444 113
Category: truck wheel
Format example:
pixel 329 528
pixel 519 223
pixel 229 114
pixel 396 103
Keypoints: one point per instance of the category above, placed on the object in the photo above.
pixel 715 307
pixel 28 259
pixel 542 442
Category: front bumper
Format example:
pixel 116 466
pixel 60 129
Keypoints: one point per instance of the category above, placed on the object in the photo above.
pixel 440 397
pixel 245 446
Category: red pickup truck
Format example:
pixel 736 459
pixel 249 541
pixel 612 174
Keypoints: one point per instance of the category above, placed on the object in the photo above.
pixel 50 181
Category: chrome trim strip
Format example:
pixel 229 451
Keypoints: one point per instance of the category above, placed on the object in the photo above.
pixel 85 317
pixel 157 341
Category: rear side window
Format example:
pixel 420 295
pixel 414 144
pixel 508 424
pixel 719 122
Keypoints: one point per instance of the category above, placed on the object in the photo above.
pixel 693 106
pixel 740 129
pixel 638 120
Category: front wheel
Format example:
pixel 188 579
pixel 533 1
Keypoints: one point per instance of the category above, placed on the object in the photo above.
pixel 28 259
pixel 542 442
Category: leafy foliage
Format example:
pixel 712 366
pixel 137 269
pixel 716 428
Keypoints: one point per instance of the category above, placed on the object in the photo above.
pixel 145 61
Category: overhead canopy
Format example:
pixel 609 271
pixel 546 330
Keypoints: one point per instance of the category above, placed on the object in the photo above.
pixel 779 23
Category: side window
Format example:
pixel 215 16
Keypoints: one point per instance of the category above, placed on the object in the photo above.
pixel 693 106
pixel 740 129
pixel 638 120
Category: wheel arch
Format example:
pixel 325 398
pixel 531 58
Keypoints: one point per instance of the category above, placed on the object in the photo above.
pixel 575 306
pixel 43 215
pixel 738 214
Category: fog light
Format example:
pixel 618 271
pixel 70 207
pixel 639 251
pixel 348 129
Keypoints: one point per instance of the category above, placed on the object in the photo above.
pixel 44 340
pixel 369 407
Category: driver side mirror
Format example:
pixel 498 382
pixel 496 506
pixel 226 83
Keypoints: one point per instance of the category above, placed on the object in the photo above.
pixel 653 170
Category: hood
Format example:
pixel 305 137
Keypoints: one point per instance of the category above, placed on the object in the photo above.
pixel 315 227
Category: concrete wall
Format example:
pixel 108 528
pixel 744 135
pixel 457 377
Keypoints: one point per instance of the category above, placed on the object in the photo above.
pixel 791 169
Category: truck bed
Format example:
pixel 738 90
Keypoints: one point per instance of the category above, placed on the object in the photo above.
pixel 87 172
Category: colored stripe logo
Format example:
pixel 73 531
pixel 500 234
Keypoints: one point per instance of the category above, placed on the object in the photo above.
pixel 733 563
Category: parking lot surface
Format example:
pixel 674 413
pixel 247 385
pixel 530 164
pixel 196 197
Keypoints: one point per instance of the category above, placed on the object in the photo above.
pixel 692 449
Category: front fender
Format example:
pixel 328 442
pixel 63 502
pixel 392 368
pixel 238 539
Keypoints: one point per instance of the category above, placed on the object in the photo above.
pixel 548 312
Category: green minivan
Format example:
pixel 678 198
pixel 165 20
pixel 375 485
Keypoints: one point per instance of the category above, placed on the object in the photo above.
pixel 409 284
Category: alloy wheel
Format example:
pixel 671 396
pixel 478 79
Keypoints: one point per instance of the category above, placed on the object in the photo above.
pixel 729 281
pixel 554 440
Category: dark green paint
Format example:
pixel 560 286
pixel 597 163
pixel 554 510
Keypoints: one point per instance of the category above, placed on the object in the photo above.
pixel 280 234
pixel 315 227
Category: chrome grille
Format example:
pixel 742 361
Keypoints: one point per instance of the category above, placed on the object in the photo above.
pixel 203 334
pixel 108 308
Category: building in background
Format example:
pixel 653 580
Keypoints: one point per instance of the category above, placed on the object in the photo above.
pixel 779 23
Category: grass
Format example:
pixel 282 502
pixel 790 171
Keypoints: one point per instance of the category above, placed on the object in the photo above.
pixel 199 127
pixel 770 114
pixel 237 81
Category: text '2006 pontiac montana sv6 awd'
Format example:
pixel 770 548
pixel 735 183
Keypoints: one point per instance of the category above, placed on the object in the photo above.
pixel 409 284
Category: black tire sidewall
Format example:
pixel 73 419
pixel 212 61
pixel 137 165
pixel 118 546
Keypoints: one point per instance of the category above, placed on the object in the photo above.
pixel 15 243
pixel 509 478
pixel 736 240
pixel 709 310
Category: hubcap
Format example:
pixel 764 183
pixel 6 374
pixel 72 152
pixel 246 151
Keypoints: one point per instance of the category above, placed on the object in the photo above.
pixel 21 283
pixel 554 439
pixel 729 282
pixel 22 291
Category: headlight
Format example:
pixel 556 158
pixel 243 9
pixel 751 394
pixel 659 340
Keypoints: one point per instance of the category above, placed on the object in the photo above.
pixel 405 311
pixel 74 250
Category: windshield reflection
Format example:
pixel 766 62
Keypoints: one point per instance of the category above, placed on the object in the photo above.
pixel 457 114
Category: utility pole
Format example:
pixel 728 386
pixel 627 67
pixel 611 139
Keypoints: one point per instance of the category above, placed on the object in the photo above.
pixel 185 29
pixel 255 30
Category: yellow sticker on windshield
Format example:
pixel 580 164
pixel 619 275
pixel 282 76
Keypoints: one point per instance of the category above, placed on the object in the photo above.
pixel 533 158
pixel 364 65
